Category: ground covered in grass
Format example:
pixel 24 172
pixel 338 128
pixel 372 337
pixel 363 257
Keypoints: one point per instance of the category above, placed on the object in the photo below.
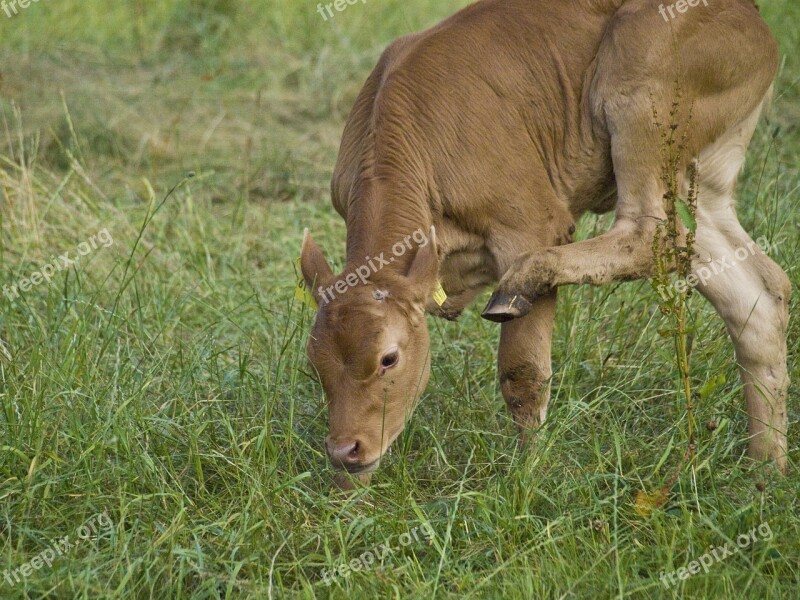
pixel 157 407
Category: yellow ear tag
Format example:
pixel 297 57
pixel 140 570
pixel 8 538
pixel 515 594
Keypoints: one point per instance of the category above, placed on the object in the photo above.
pixel 439 295
pixel 301 292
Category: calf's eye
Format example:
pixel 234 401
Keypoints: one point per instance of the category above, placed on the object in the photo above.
pixel 389 360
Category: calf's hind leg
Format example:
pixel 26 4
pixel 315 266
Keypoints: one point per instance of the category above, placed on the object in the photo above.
pixel 749 291
pixel 752 297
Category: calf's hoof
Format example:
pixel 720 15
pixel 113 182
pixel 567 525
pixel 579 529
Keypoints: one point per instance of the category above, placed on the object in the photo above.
pixel 503 307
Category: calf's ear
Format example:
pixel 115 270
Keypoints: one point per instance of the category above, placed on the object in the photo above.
pixel 424 270
pixel 316 271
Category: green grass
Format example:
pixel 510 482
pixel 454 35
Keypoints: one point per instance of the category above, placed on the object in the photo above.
pixel 163 380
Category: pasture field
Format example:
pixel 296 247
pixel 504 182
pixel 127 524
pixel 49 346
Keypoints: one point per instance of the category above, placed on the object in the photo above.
pixel 157 408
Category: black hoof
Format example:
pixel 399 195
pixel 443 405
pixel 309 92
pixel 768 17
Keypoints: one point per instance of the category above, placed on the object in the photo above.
pixel 503 308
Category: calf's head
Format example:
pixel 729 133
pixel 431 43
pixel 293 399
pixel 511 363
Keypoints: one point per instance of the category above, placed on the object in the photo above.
pixel 370 348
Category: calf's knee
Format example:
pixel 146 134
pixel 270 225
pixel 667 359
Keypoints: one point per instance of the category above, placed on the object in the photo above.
pixel 526 389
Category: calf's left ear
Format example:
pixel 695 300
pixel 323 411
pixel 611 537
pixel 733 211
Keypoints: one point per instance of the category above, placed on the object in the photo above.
pixel 316 271
pixel 424 270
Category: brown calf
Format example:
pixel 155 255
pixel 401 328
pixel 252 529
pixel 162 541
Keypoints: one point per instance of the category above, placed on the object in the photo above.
pixel 501 126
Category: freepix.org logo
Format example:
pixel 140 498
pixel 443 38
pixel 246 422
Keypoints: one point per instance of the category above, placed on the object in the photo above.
pixel 326 10
pixel 373 265
pixel 715 555
pixel 10 7
pixel 56 265
pixel 57 548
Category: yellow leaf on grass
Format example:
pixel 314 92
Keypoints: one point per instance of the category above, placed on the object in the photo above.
pixel 645 503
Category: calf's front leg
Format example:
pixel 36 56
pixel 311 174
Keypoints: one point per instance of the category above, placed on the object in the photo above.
pixel 622 254
pixel 524 364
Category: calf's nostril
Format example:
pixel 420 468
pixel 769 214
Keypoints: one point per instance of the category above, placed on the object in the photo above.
pixel 346 453
pixel 354 451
